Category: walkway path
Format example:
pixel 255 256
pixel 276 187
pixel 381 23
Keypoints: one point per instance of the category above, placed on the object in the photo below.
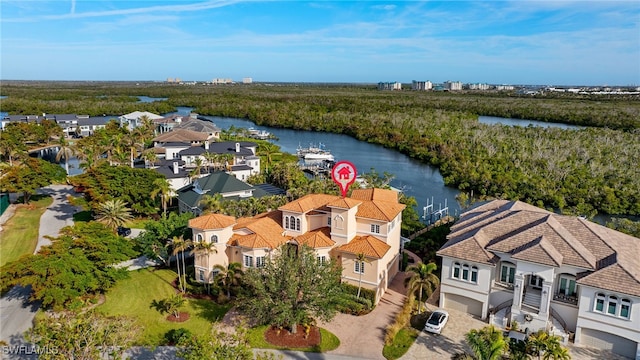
pixel 16 312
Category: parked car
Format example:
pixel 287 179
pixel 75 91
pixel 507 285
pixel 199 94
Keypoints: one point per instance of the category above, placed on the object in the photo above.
pixel 436 322
pixel 124 231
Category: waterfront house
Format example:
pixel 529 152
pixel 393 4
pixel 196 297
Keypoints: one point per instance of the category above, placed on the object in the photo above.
pixel 366 223
pixel 507 260
pixel 218 182
pixel 135 119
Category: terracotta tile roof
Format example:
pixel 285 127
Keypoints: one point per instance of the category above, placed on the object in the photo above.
pixel 316 239
pixel 379 210
pixel 532 234
pixel 368 245
pixel 344 203
pixel 254 241
pixel 212 221
pixel 308 203
pixel 374 194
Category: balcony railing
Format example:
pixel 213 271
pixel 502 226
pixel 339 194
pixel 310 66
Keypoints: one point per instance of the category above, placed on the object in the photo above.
pixel 573 300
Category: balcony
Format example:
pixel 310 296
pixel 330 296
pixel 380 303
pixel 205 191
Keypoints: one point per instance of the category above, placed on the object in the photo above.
pixel 567 299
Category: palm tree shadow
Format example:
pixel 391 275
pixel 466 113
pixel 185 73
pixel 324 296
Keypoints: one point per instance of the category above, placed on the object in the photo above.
pixel 209 310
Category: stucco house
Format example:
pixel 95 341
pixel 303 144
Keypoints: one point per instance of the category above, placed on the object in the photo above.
pixel 366 223
pixel 135 119
pixel 507 260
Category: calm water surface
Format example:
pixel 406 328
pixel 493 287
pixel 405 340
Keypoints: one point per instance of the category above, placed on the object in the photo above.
pixel 416 179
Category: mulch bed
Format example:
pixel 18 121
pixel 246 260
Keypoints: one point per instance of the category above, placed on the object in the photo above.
pixel 184 316
pixel 284 338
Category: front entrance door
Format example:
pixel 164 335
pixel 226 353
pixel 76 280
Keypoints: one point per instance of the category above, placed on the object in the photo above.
pixel 536 281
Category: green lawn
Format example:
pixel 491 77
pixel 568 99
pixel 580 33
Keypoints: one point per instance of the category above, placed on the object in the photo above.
pixel 133 297
pixel 328 341
pixel 20 234
pixel 401 343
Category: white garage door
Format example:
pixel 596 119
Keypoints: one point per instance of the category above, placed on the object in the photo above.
pixel 464 304
pixel 602 340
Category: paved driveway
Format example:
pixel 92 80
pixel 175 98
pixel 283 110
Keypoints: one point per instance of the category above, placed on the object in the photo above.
pixel 450 342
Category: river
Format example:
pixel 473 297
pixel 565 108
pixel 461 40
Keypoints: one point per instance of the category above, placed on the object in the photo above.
pixel 415 178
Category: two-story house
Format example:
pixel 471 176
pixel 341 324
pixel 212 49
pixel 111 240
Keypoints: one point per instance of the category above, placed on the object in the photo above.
pixel 339 228
pixel 545 270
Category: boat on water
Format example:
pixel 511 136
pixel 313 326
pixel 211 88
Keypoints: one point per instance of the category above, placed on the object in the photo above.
pixel 314 152
pixel 259 134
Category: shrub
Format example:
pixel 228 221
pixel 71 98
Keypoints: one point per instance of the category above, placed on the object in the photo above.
pixel 174 336
pixel 402 319
pixel 364 293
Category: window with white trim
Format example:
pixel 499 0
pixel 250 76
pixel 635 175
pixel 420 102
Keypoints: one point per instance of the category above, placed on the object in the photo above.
pixel 286 222
pixel 322 260
pixel 375 228
pixel 199 238
pixel 567 285
pixel 260 260
pixel 359 267
pixel 298 224
pixel 508 273
pixel 201 275
pixel 214 239
pixel 612 305
pixel 329 221
pixel 248 261
pixel 465 272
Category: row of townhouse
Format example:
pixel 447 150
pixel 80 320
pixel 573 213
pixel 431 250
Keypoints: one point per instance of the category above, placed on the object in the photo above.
pixel 508 261
pixel 339 228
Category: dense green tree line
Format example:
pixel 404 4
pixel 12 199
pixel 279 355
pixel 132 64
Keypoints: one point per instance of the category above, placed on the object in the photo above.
pixel 580 171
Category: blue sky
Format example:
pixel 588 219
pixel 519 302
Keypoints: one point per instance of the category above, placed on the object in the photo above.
pixel 497 42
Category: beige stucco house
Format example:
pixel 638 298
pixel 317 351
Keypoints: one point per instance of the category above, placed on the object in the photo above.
pixel 339 228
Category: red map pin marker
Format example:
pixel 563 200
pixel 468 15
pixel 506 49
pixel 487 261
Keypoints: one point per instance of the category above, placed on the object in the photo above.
pixel 344 174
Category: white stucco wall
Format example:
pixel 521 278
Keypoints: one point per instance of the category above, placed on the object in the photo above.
pixel 588 318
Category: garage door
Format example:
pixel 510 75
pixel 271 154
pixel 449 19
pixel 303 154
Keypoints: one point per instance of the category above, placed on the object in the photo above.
pixel 464 304
pixel 602 340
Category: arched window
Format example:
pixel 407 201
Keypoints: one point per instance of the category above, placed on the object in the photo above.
pixel 474 274
pixel 339 221
pixel 625 308
pixel 612 305
pixel 599 304
pixel 214 239
pixel 465 272
pixel 199 238
pixel 298 224
pixel 456 270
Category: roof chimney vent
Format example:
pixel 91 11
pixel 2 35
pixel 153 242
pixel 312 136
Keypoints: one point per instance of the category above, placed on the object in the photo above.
pixel 175 167
pixel 237 147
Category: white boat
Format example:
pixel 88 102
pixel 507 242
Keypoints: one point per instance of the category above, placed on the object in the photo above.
pixel 259 134
pixel 319 156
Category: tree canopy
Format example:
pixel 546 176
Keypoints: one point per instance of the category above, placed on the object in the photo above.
pixel 132 186
pixel 30 175
pixel 292 288
pixel 79 263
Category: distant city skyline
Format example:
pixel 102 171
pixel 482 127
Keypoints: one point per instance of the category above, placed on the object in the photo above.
pixel 594 43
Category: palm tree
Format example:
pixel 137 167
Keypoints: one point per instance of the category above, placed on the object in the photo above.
pixel 66 150
pixel 362 259
pixel 422 280
pixel 487 343
pixel 163 189
pixel 229 276
pixel 206 247
pixel 179 245
pixel 547 346
pixel 268 150
pixel 211 203
pixel 195 173
pixel 149 157
pixel 113 213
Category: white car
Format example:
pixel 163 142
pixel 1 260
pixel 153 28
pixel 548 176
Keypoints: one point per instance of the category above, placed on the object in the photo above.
pixel 436 321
